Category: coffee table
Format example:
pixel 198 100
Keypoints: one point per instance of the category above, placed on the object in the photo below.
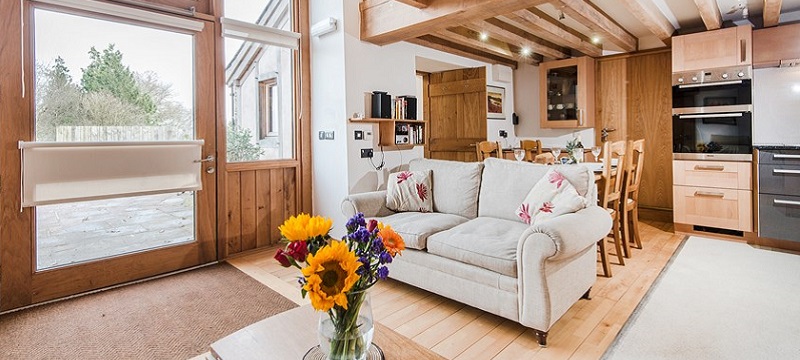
pixel 290 334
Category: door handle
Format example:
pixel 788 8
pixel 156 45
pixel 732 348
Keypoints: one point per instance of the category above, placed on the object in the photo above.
pixel 709 116
pixel 709 194
pixel 785 156
pixel 709 167
pixel 208 158
pixel 785 202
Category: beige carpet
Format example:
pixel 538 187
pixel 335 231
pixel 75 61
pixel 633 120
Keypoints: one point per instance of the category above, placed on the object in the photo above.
pixel 175 317
pixel 717 300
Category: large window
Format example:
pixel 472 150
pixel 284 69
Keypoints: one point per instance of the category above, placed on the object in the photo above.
pixel 259 56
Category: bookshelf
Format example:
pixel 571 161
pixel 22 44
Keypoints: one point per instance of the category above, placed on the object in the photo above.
pixel 398 133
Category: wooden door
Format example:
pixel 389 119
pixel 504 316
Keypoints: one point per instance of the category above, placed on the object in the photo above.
pixel 611 97
pixel 458 111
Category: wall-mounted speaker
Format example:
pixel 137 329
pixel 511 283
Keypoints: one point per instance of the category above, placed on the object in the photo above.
pixel 514 119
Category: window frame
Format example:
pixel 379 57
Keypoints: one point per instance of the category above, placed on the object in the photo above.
pixel 268 122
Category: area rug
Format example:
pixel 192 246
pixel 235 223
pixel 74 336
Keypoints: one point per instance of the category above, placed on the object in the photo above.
pixel 717 300
pixel 175 317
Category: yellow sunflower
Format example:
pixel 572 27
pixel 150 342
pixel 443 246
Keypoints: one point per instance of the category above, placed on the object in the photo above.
pixel 392 241
pixel 295 228
pixel 319 226
pixel 330 274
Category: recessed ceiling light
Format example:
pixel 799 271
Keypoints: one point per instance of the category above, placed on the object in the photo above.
pixel 484 36
pixel 595 39
pixel 525 51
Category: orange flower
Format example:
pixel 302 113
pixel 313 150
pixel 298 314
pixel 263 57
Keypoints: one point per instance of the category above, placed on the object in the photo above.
pixel 392 241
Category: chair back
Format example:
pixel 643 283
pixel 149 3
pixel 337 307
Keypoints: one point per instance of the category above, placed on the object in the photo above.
pixel 532 148
pixel 633 170
pixel 613 176
pixel 486 148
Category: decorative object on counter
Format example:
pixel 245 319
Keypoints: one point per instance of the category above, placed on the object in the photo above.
pixel 337 275
pixel 495 98
pixel 575 150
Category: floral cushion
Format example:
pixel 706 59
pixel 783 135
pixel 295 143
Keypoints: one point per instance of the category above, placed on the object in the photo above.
pixel 409 191
pixel 552 195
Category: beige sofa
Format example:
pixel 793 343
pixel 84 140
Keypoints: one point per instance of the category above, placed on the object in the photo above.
pixel 473 249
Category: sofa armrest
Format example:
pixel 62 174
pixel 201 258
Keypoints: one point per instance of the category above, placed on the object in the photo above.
pixel 573 233
pixel 372 204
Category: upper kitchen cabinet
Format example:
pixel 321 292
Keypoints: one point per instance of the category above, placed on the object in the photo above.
pixel 776 46
pixel 567 93
pixel 713 49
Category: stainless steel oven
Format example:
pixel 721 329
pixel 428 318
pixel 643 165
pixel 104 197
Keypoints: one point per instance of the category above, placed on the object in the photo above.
pixel 712 114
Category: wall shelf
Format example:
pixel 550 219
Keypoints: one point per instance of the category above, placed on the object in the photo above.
pixel 390 131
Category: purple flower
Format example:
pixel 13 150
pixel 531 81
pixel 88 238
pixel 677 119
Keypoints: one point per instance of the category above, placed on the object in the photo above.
pixel 364 260
pixel 377 245
pixel 383 272
pixel 385 258
pixel 355 222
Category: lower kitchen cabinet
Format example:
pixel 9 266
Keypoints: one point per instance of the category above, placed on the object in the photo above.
pixel 713 207
pixel 779 217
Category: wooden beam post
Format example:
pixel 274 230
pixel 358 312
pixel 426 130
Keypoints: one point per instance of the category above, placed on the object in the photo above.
pixel 582 11
pixel 709 11
pixel 772 12
pixel 652 19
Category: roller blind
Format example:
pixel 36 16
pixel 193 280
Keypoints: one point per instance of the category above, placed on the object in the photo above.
pixel 127 12
pixel 55 172
pixel 260 34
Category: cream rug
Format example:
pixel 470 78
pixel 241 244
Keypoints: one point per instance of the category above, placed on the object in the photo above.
pixel 717 300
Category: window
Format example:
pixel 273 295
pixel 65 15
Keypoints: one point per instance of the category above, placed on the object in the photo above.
pixel 259 71
pixel 268 108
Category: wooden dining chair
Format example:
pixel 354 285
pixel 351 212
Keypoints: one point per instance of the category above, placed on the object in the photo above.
pixel 629 205
pixel 610 196
pixel 532 148
pixel 487 149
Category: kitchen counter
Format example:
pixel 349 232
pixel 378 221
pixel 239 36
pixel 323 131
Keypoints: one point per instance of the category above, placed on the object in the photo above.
pixel 777 147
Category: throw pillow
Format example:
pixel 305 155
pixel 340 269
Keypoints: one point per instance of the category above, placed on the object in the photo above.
pixel 553 195
pixel 409 191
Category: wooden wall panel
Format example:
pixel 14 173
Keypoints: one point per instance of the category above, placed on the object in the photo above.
pixel 263 193
pixel 248 206
pixel 277 202
pixel 611 98
pixel 650 118
pixel 233 214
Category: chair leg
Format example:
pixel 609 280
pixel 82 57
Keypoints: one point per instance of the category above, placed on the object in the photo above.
pixel 618 241
pixel 604 257
pixel 635 222
pixel 625 232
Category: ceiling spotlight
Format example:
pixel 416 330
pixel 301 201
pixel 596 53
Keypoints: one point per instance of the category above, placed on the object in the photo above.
pixel 595 39
pixel 483 36
pixel 526 51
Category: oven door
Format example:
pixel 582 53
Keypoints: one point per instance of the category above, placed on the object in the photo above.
pixel 715 96
pixel 713 136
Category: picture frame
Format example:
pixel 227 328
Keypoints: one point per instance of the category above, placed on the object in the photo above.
pixel 495 102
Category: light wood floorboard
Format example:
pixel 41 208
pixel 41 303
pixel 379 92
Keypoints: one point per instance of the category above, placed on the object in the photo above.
pixel 457 331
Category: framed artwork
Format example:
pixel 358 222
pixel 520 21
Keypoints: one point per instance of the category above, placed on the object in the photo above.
pixel 495 99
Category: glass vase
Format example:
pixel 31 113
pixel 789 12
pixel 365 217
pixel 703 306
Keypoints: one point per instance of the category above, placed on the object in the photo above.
pixel 347 334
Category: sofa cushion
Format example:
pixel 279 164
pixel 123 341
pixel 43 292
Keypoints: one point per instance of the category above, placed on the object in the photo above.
pixel 409 191
pixel 552 196
pixel 455 185
pixel 485 242
pixel 505 184
pixel 416 227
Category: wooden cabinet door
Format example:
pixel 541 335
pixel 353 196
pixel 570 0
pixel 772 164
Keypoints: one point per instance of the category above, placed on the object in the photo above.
pixel 719 208
pixel 712 49
pixel 567 98
pixel 457 114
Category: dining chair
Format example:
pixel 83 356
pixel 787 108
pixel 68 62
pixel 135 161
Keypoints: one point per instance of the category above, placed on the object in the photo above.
pixel 532 148
pixel 629 205
pixel 610 196
pixel 487 149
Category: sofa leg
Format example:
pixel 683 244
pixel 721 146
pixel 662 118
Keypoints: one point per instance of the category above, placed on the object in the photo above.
pixel 541 337
pixel 588 294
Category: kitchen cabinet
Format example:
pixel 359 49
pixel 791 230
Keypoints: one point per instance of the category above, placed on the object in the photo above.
pixel 713 49
pixel 778 198
pixel 776 44
pixel 567 93
pixel 714 194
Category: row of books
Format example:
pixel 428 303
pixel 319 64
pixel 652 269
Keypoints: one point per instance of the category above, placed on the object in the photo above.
pixel 406 134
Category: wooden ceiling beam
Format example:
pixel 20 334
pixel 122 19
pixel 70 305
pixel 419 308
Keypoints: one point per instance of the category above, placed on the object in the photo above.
pixel 709 12
pixel 772 12
pixel 535 21
pixel 588 15
pixel 419 4
pixel 652 19
pixel 512 35
pixel 450 47
pixel 387 22
pixel 471 40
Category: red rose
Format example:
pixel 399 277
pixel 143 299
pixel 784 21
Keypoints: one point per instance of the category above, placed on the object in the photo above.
pixel 282 258
pixel 298 250
pixel 372 225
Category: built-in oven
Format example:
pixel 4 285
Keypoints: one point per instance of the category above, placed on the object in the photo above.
pixel 712 114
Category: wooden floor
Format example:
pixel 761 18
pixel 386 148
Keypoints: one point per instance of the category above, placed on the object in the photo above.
pixel 457 331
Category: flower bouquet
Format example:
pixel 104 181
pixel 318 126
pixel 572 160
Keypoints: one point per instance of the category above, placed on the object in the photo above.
pixel 337 274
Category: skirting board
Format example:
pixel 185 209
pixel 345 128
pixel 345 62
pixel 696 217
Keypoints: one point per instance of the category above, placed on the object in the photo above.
pixel 655 214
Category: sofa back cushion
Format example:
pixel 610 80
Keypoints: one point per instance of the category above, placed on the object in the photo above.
pixel 455 185
pixel 506 183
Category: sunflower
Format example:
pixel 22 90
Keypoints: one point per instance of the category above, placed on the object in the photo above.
pixel 319 226
pixel 295 228
pixel 392 241
pixel 330 274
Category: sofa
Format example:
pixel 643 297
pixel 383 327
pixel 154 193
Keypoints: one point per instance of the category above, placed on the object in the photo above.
pixel 473 249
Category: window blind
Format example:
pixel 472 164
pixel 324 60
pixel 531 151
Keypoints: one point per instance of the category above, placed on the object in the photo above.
pixel 127 12
pixel 54 172
pixel 261 34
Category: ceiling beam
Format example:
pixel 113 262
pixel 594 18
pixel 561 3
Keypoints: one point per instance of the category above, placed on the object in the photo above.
pixel 504 32
pixel 469 38
pixel 419 4
pixel 390 21
pixel 585 13
pixel 535 21
pixel 450 47
pixel 652 19
pixel 772 12
pixel 709 12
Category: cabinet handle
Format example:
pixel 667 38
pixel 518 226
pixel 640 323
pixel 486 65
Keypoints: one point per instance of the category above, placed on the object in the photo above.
pixel 785 202
pixel 782 171
pixel 580 118
pixel 744 49
pixel 784 156
pixel 709 167
pixel 709 194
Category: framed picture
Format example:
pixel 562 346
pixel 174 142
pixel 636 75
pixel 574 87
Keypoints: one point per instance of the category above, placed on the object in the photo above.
pixel 495 99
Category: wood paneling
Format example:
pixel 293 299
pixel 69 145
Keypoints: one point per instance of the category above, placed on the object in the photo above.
pixel 457 114
pixel 612 98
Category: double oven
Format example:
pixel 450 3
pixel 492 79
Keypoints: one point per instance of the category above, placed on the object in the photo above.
pixel 712 114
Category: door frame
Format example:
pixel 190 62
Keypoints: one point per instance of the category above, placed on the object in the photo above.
pixel 21 284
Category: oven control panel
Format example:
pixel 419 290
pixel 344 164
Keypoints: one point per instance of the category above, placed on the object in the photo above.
pixel 712 75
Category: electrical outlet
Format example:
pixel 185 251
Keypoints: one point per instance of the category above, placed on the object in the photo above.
pixel 503 134
pixel 366 153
